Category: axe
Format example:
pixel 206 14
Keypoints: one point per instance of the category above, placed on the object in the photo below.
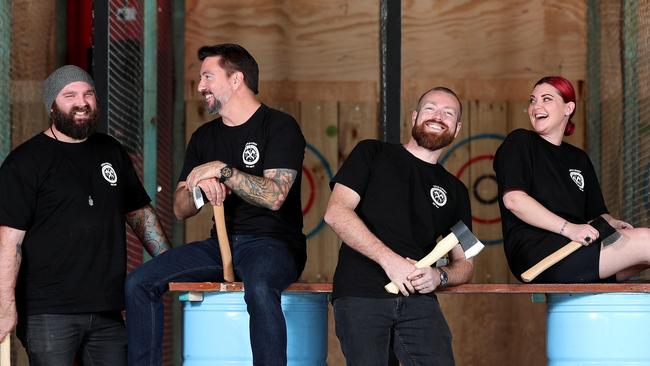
pixel 5 351
pixel 608 234
pixel 222 235
pixel 459 234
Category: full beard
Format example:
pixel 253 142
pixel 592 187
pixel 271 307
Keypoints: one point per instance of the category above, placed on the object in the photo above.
pixel 78 129
pixel 430 140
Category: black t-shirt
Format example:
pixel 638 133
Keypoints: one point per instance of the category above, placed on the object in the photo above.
pixel 406 202
pixel 74 253
pixel 561 178
pixel 270 139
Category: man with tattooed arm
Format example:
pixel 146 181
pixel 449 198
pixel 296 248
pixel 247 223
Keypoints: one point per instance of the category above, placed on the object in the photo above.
pixel 64 197
pixel 250 160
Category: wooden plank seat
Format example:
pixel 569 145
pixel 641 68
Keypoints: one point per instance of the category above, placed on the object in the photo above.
pixel 470 288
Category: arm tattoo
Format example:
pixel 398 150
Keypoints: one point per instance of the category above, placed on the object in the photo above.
pixel 147 228
pixel 19 254
pixel 268 191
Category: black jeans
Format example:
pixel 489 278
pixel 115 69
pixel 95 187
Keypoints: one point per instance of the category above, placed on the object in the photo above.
pixel 420 333
pixel 58 339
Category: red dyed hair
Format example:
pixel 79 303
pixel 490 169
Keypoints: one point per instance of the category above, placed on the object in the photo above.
pixel 566 91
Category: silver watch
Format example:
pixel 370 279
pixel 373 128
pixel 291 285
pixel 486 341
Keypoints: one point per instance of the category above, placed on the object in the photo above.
pixel 444 277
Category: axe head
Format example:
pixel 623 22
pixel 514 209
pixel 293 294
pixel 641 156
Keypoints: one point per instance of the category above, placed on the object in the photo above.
pixel 607 234
pixel 470 243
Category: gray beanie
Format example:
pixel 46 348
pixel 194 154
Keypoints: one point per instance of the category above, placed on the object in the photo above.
pixel 61 77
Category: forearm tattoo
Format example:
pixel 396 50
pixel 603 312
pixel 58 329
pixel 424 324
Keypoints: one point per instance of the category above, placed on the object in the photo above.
pixel 19 254
pixel 268 191
pixel 147 228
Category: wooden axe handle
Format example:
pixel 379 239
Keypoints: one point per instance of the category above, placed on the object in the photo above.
pixel 550 260
pixel 443 247
pixel 224 243
pixel 5 351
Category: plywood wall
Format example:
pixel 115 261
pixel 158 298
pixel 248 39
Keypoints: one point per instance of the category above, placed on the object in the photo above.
pixel 319 61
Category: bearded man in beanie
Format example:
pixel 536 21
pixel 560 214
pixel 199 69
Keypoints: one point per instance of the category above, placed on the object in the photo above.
pixel 65 195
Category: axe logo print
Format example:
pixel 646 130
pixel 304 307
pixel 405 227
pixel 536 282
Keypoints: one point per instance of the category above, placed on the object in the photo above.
pixel 251 154
pixel 439 196
pixel 577 178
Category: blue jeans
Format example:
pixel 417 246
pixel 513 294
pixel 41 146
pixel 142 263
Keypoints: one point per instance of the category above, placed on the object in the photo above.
pixel 420 335
pixel 265 265
pixel 58 339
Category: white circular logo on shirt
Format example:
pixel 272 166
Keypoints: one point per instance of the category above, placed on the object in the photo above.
pixel 577 178
pixel 109 173
pixel 251 154
pixel 439 196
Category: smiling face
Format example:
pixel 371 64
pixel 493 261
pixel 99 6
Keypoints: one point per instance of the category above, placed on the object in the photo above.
pixel 74 112
pixel 435 123
pixel 215 85
pixel 548 112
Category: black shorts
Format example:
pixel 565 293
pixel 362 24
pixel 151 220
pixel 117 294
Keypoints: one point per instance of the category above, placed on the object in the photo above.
pixel 581 266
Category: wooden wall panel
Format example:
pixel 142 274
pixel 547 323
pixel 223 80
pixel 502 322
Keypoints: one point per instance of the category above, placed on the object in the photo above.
pixel 357 121
pixel 319 123
pixel 32 59
pixel 332 40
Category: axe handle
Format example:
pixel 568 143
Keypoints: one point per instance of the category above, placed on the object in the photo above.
pixel 443 247
pixel 550 260
pixel 5 351
pixel 224 243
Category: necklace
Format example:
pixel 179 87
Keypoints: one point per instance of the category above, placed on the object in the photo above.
pixel 90 197
pixel 53 134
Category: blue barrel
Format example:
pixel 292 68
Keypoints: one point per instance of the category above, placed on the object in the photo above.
pixel 598 329
pixel 215 330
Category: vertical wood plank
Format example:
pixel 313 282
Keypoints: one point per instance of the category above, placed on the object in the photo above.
pixel 488 119
pixel 320 121
pixel 357 121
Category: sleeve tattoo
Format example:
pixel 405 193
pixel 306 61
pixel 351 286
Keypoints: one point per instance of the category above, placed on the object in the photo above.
pixel 147 228
pixel 268 191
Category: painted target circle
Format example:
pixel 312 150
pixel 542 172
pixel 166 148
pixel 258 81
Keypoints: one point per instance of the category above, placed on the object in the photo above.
pixel 313 189
pixel 481 179
pixel 477 194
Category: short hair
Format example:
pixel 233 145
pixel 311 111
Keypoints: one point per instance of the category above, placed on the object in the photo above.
pixel 446 91
pixel 568 94
pixel 234 58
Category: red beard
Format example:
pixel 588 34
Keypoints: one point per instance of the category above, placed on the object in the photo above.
pixel 431 141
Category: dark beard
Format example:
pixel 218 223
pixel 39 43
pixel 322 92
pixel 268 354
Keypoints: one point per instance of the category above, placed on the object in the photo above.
pixel 78 130
pixel 431 141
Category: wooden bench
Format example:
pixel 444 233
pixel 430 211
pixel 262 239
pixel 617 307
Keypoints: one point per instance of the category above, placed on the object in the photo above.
pixel 607 323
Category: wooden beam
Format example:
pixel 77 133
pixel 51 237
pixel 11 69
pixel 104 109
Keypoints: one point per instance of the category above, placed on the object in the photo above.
pixel 470 288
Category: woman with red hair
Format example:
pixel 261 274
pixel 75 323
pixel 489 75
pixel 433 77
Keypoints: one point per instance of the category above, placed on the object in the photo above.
pixel 548 192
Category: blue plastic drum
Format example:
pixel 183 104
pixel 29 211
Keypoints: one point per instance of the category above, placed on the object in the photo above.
pixel 598 329
pixel 215 330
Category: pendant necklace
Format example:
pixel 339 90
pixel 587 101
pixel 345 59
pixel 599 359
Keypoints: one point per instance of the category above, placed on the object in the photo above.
pixel 90 197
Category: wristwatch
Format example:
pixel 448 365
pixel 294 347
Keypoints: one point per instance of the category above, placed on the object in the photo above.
pixel 444 278
pixel 225 172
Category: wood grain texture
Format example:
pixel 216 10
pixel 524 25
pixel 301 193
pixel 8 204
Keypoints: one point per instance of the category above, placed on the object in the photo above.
pixel 32 59
pixel 291 40
pixel 317 118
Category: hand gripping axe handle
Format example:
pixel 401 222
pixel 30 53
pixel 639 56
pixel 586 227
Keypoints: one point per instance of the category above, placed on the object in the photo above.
pixel 5 351
pixel 606 232
pixel 459 234
pixel 222 235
